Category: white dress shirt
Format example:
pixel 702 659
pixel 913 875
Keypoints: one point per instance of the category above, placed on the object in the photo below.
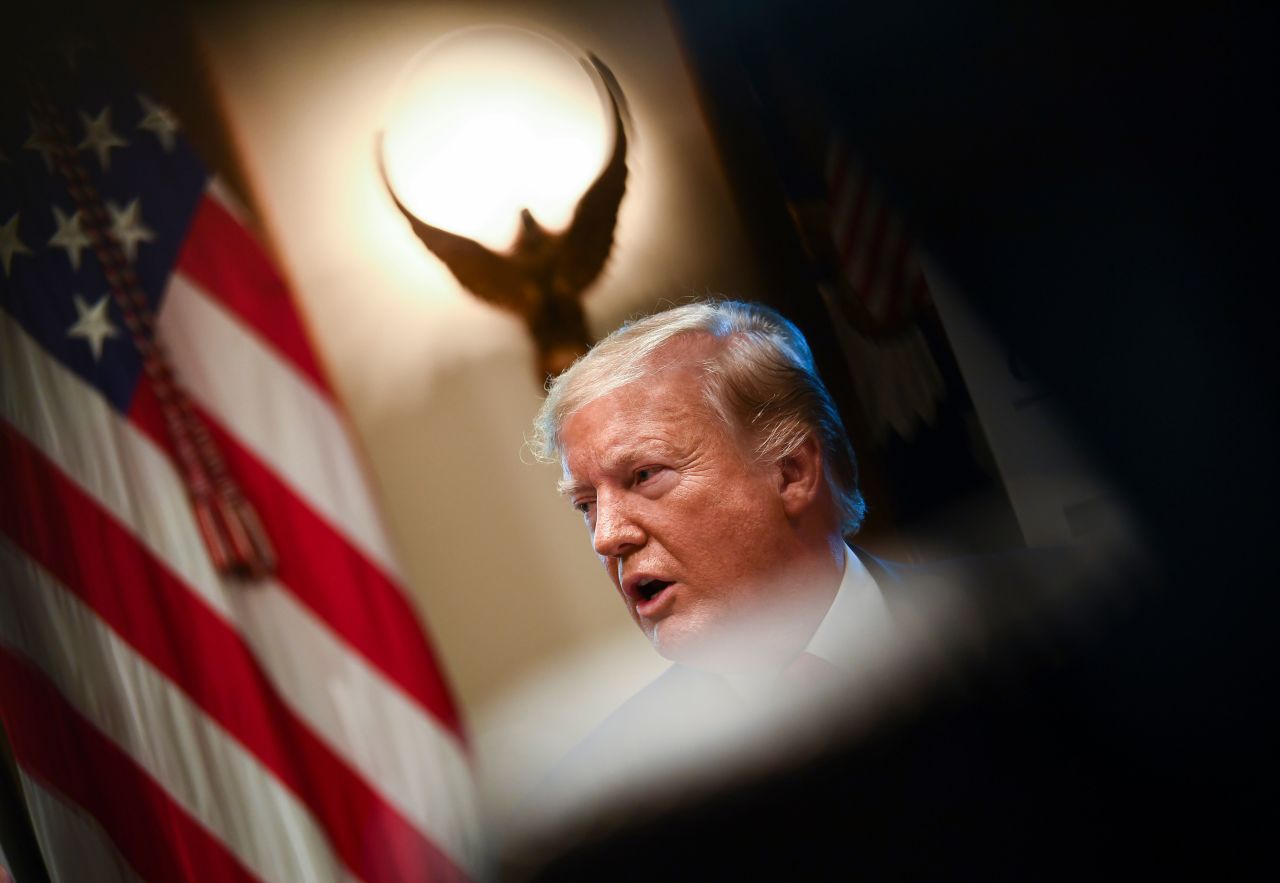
pixel 857 623
pixel 854 633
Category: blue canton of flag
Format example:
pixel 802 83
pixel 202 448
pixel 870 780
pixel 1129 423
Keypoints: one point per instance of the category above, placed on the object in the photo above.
pixel 150 182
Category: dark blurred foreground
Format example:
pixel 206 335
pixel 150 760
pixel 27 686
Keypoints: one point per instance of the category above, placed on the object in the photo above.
pixel 1102 186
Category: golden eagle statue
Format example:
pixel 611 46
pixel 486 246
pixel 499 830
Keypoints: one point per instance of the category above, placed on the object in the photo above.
pixel 543 277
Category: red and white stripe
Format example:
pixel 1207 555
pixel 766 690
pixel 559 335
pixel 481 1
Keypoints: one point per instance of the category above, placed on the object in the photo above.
pixel 178 725
pixel 77 848
pixel 875 253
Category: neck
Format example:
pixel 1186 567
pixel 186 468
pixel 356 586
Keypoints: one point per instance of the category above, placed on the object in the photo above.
pixel 816 582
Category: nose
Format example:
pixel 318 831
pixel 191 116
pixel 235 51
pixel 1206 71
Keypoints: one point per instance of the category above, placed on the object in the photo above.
pixel 617 532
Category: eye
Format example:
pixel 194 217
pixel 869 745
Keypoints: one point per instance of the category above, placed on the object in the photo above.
pixel 645 473
pixel 583 506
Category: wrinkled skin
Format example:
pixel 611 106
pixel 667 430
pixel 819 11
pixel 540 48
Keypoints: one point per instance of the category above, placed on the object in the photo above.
pixel 668 491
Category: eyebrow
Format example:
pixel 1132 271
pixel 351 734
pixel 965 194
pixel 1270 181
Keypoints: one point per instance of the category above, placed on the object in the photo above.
pixel 631 453
pixel 568 487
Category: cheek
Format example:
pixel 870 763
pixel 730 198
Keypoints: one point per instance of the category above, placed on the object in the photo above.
pixel 738 540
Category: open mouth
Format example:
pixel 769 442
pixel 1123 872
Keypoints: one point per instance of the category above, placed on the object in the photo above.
pixel 647 590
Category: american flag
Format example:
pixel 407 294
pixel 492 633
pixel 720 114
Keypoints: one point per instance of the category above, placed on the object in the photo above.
pixel 169 721
pixel 873 249
pixel 875 288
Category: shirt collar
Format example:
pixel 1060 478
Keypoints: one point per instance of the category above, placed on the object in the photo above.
pixel 858 621
pixel 854 629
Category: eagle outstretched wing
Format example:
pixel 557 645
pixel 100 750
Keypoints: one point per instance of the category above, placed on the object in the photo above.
pixel 585 245
pixel 482 271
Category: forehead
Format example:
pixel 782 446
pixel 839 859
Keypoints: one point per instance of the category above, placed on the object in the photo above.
pixel 666 410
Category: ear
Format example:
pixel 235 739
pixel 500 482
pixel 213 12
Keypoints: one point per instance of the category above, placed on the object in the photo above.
pixel 800 477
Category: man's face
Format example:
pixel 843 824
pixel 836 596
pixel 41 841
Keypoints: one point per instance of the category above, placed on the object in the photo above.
pixel 690 528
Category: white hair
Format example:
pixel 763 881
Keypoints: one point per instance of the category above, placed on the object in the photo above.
pixel 758 376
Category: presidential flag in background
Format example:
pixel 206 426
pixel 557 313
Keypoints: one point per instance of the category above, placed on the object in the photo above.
pixel 870 275
pixel 177 710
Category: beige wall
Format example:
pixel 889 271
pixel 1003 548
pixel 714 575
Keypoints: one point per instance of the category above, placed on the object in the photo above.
pixel 438 386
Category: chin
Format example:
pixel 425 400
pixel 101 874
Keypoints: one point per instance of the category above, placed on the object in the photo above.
pixel 677 642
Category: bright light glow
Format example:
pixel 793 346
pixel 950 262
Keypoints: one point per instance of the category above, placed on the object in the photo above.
pixel 489 120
